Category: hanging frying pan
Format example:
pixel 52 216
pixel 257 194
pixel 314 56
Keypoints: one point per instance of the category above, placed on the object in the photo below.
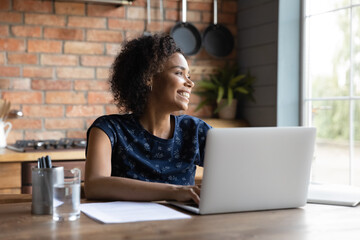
pixel 186 35
pixel 217 39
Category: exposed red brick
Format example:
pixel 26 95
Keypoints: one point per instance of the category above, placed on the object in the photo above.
pixel 155 26
pixel 100 97
pixel 4 30
pixel 97 10
pixel 171 4
pixel 84 110
pixel 10 17
pixel 5 5
pixel 136 13
pixel 83 48
pixel 40 72
pixel 23 97
pixel 64 34
pixel 43 111
pixel 45 19
pixel 39 84
pixel 59 60
pixel 11 44
pixel 32 6
pixel 69 8
pixel 126 24
pixel 172 15
pixel 87 22
pixel 41 135
pixel 75 73
pixel 227 18
pixel 9 71
pixel 65 97
pixel 22 58
pixel 21 84
pixel 200 6
pixel 111 109
pixel 113 48
pixel 26 123
pixel 26 31
pixel 193 16
pixel 104 36
pixel 4 84
pixel 86 85
pixel 2 58
pixel 102 73
pixel 76 134
pixel 14 135
pixel 207 17
pixel 229 6
pixel 64 123
pixel 104 61
pixel 44 46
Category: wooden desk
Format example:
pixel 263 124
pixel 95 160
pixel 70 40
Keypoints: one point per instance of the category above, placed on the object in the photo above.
pixel 313 222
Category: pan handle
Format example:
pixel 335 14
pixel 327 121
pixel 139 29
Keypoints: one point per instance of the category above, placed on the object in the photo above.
pixel 148 3
pixel 215 12
pixel 184 11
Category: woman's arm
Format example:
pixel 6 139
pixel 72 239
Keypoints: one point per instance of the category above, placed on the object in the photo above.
pixel 99 184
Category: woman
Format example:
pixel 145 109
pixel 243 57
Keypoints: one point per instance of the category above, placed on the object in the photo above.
pixel 149 154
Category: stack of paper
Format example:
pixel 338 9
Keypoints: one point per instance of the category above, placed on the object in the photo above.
pixel 334 194
pixel 121 212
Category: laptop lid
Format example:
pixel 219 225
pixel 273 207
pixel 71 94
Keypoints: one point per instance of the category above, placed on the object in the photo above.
pixel 250 169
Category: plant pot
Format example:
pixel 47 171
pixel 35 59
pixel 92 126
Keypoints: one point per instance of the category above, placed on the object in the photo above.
pixel 228 112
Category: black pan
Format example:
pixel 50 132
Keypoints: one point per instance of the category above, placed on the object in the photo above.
pixel 186 35
pixel 217 39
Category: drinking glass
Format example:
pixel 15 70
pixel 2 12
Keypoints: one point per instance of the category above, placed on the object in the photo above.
pixel 66 196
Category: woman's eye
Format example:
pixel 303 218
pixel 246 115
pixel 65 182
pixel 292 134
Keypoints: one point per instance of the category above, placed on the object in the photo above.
pixel 179 73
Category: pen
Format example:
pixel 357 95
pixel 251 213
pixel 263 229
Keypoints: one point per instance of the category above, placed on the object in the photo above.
pixel 48 161
pixel 39 163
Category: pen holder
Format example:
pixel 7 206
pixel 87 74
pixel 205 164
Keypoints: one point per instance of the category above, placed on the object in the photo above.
pixel 43 180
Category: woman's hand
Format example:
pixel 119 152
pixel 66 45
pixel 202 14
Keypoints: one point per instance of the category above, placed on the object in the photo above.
pixel 187 193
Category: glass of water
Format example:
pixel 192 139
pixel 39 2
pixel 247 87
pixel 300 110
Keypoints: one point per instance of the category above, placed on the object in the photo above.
pixel 66 196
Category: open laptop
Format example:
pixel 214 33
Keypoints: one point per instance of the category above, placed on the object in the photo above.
pixel 251 169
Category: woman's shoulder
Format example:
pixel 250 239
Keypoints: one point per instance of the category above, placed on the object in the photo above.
pixel 114 119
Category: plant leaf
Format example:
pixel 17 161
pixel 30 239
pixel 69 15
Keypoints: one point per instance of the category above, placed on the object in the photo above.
pixel 230 96
pixel 220 94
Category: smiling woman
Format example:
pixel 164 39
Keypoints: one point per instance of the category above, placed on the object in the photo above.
pixel 148 154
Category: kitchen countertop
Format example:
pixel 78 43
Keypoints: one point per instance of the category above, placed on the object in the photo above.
pixel 7 155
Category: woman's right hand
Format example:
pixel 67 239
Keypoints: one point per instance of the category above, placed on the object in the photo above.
pixel 187 193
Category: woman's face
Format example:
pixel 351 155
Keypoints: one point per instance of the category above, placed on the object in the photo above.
pixel 171 88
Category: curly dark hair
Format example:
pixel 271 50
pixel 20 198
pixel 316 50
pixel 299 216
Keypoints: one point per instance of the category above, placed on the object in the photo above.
pixel 139 60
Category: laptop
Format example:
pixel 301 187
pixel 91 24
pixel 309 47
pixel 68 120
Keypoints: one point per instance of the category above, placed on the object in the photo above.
pixel 257 168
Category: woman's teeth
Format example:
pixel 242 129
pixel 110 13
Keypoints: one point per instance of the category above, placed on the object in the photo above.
pixel 185 94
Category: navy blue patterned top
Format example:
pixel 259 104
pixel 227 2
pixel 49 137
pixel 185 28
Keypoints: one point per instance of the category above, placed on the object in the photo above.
pixel 138 154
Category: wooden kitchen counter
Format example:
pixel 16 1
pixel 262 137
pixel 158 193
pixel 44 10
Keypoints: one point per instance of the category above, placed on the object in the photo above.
pixel 12 166
pixel 7 155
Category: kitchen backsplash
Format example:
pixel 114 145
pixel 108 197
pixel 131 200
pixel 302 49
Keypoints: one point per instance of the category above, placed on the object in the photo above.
pixel 55 57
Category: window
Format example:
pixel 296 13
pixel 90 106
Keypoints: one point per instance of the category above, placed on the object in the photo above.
pixel 331 87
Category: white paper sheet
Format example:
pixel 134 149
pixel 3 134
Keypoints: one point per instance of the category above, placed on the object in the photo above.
pixel 121 212
pixel 334 194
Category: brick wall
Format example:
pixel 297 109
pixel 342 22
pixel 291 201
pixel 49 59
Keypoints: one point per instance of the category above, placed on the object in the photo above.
pixel 55 57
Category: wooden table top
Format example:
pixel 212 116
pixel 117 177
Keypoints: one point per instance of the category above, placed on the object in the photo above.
pixel 310 222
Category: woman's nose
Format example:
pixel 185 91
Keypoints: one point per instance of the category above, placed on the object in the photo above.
pixel 189 83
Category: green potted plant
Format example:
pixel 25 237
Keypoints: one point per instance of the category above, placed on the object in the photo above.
pixel 223 88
